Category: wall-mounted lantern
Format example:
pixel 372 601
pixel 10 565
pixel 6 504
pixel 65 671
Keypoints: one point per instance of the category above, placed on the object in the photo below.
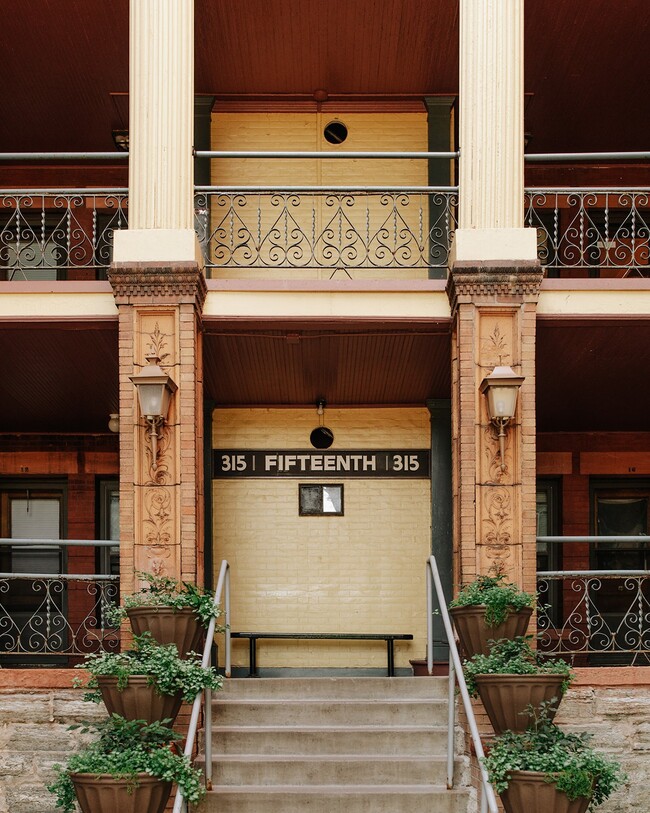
pixel 155 389
pixel 501 388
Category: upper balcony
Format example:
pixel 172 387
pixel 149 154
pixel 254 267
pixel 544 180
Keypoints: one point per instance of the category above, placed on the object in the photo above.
pixel 352 231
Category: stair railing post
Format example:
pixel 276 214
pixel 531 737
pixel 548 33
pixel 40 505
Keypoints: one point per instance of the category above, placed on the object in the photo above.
pixel 451 724
pixel 207 745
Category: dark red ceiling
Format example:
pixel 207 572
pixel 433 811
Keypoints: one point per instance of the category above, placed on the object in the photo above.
pixel 587 63
pixel 58 377
pixel 378 365
pixel 592 376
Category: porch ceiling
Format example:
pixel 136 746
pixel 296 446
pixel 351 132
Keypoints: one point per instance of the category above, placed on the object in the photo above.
pixel 58 377
pixel 593 375
pixel 62 61
pixel 295 366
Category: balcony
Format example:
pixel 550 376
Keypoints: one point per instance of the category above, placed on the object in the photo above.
pixel 321 233
pixel 596 617
pixel 51 617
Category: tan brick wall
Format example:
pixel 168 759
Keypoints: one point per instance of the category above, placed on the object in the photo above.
pixel 406 132
pixel 363 572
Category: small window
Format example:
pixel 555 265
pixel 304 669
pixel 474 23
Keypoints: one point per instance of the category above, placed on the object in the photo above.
pixel 321 500
pixel 335 132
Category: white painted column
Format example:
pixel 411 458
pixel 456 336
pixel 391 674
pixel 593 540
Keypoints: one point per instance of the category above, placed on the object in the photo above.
pixel 491 133
pixel 161 125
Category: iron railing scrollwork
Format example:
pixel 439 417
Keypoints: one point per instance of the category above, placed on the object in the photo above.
pixel 335 230
pixel 603 614
pixel 56 615
pixel 47 234
pixel 594 232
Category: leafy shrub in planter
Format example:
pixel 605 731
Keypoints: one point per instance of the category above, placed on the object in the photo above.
pixel 514 657
pixel 166 671
pixel 123 750
pixel 498 596
pixel 567 760
pixel 165 592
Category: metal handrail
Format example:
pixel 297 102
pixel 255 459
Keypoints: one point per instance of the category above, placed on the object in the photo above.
pixel 348 188
pixel 326 155
pixel 593 539
pixel 223 587
pixel 613 574
pixel 488 799
pixel 61 543
pixel 542 157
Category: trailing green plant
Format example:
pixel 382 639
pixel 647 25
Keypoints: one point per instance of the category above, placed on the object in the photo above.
pixel 125 748
pixel 514 657
pixel 566 758
pixel 499 597
pixel 161 591
pixel 165 671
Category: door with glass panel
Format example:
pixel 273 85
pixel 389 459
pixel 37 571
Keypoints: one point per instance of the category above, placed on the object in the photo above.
pixel 622 601
pixel 32 602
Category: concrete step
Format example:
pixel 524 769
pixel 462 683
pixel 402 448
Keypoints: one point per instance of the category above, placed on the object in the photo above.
pixel 232 711
pixel 368 688
pixel 312 740
pixel 328 799
pixel 334 769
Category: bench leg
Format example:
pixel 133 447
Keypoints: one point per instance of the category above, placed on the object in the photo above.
pixel 252 657
pixel 391 657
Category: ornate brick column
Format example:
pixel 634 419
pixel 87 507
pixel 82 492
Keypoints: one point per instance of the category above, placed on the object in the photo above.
pixel 493 310
pixel 161 507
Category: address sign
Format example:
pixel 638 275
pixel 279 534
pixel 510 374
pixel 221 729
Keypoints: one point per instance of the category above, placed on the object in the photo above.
pixel 237 463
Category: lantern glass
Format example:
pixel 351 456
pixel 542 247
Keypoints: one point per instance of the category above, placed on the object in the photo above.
pixel 502 401
pixel 153 402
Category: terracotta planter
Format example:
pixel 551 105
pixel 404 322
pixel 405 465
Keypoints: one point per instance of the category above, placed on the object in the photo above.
pixel 168 626
pixel 527 792
pixel 474 633
pixel 138 700
pixel 103 793
pixel 506 696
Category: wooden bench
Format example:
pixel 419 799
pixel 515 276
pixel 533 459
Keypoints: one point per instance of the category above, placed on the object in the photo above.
pixel 254 637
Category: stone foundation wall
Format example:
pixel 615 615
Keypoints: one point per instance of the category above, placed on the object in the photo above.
pixel 33 738
pixel 619 719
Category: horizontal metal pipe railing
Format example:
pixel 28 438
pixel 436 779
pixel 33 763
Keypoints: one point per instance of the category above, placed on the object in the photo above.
pixel 63 156
pixel 350 189
pixel 62 543
pixel 593 539
pixel 539 157
pixel 542 157
pixel 325 155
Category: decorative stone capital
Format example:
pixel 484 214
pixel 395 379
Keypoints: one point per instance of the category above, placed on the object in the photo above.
pixel 498 283
pixel 176 283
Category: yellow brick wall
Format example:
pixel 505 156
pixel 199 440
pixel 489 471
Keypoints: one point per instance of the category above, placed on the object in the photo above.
pixel 362 572
pixel 406 132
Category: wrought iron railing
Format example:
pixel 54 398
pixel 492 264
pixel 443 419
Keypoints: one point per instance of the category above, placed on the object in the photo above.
pixel 361 231
pixel 352 231
pixel 51 234
pixel 591 232
pixel 596 616
pixel 46 617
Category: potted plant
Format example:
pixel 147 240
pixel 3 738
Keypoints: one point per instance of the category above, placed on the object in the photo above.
pixel 514 682
pixel 489 609
pixel 130 768
pixel 148 682
pixel 545 770
pixel 173 612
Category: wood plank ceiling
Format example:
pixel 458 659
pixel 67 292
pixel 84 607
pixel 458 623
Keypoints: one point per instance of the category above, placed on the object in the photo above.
pixel 587 63
pixel 289 367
